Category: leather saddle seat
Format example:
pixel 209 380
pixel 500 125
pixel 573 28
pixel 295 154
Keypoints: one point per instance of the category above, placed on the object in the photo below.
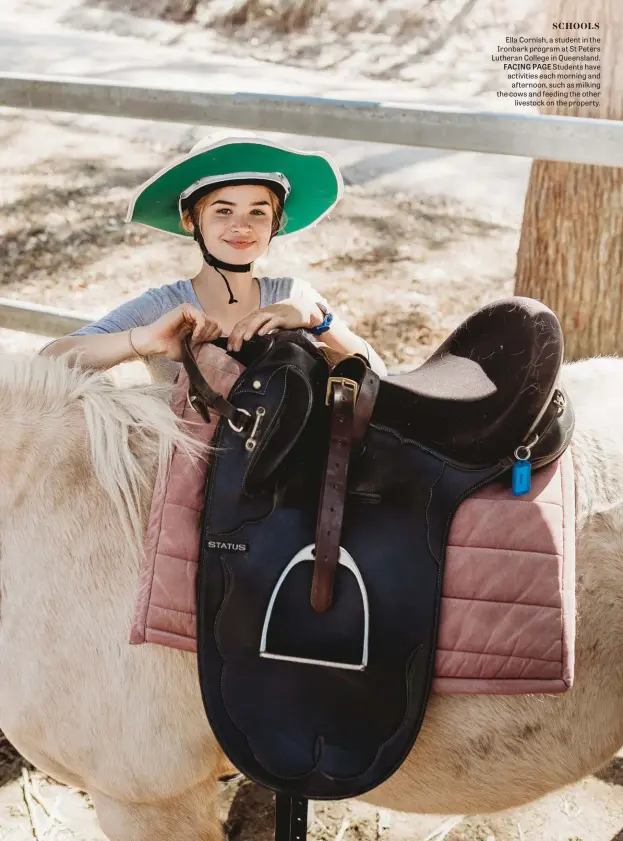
pixel 485 388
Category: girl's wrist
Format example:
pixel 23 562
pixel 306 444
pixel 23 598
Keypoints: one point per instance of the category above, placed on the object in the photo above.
pixel 139 343
pixel 316 316
pixel 322 326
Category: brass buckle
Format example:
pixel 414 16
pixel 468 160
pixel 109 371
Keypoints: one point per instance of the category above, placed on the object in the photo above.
pixel 344 381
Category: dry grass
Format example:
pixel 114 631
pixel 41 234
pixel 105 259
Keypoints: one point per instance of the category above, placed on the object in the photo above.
pixel 408 40
pixel 394 17
pixel 283 16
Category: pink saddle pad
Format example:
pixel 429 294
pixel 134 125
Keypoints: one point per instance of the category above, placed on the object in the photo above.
pixel 508 599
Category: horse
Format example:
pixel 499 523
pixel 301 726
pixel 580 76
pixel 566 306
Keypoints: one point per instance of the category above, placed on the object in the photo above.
pixel 126 724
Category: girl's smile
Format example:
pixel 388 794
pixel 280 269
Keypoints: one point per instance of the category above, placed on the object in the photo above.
pixel 239 243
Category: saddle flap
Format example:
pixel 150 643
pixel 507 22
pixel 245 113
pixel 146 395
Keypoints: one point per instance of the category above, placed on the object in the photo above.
pixel 285 425
pixel 285 388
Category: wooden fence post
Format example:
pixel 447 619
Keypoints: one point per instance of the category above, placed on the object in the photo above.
pixel 571 248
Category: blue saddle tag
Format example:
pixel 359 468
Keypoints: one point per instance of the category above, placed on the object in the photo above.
pixel 521 477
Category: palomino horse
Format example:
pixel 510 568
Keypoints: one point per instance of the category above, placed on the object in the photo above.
pixel 127 724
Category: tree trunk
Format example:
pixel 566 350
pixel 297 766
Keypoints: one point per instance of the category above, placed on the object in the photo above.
pixel 571 248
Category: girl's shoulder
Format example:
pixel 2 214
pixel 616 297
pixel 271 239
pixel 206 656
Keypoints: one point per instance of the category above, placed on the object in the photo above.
pixel 174 294
pixel 275 289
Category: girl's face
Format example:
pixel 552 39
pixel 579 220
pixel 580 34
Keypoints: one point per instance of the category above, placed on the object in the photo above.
pixel 236 222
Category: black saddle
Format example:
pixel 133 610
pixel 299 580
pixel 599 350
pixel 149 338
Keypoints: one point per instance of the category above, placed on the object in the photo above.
pixel 327 511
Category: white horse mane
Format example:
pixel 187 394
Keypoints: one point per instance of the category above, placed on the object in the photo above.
pixel 129 428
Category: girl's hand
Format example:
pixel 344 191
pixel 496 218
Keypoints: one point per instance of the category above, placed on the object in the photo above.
pixel 165 336
pixel 286 315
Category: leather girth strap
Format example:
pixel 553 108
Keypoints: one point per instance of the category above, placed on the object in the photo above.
pixel 352 402
pixel 333 495
pixel 290 818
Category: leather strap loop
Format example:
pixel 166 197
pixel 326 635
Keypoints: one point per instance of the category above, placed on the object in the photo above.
pixel 203 397
pixel 356 368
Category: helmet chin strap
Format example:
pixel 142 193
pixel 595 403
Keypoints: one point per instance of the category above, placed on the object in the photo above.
pixel 213 261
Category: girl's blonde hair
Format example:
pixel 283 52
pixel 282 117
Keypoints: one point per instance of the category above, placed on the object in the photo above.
pixel 279 217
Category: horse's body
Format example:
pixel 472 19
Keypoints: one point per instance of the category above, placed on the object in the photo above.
pixel 127 723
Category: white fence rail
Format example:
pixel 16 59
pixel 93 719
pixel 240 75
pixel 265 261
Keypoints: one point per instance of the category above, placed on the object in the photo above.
pixel 44 321
pixel 573 139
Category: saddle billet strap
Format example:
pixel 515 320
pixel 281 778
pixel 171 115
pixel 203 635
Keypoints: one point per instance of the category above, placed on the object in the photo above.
pixel 290 818
pixel 203 397
pixel 362 385
pixel 356 368
pixel 343 394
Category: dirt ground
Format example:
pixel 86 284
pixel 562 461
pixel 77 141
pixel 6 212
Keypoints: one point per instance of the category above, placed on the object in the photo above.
pixel 403 269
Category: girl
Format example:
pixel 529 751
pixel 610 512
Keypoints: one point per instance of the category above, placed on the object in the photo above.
pixel 232 194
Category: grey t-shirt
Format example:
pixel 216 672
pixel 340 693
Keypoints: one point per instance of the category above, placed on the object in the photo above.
pixel 154 303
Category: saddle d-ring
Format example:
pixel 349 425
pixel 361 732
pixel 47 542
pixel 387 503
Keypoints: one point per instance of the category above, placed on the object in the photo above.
pixel 524 451
pixel 347 561
pixel 199 408
pixel 190 400
pixel 242 425
pixel 206 416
